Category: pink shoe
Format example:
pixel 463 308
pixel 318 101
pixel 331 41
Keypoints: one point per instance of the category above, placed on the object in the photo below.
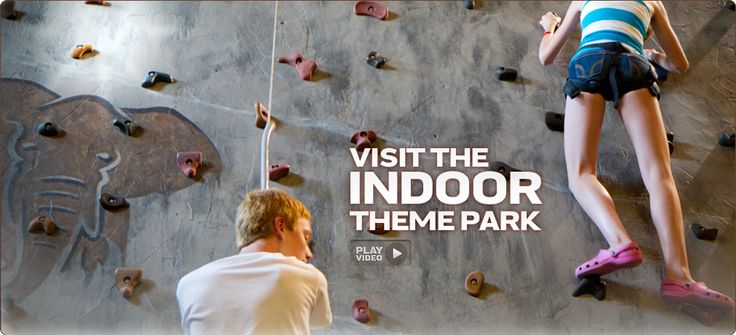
pixel 697 294
pixel 624 256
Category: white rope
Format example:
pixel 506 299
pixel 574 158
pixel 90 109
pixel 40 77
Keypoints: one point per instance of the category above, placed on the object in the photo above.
pixel 271 122
pixel 273 56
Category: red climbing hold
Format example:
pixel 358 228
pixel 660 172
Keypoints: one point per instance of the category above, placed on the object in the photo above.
pixel 305 68
pixel 371 8
pixel 363 138
pixel 189 162
pixel 361 312
pixel 278 171
pixel 261 115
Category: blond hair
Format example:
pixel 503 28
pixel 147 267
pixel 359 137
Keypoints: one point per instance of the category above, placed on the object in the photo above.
pixel 258 211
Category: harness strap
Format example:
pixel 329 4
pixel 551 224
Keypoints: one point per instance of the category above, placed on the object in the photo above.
pixel 612 79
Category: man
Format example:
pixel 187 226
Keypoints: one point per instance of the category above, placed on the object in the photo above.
pixel 268 287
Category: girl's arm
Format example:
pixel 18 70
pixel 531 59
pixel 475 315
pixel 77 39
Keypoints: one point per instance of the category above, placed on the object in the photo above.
pixel 552 41
pixel 673 58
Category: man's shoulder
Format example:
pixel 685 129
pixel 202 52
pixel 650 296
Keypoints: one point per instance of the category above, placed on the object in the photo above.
pixel 256 261
pixel 292 263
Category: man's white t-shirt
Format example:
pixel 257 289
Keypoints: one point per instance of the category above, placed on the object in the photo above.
pixel 254 293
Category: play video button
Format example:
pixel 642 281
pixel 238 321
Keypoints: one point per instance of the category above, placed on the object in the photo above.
pixel 396 253
pixel 380 252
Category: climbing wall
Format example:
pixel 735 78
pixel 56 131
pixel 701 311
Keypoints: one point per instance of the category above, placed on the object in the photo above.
pixel 436 90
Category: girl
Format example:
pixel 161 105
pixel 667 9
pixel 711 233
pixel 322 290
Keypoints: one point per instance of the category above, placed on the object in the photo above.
pixel 611 65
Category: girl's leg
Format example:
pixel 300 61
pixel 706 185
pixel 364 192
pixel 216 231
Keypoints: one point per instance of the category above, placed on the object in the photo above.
pixel 583 120
pixel 643 120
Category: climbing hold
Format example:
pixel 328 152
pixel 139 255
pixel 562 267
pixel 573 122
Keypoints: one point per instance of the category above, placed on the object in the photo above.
pixel 363 138
pixel 380 230
pixel 103 156
pixel 305 68
pixel 555 121
pixel 7 10
pixel 730 4
pixel 361 312
pixel 126 279
pixel 127 126
pixel 278 171
pixel 95 2
pixel 189 162
pixel 154 77
pixel 502 168
pixel 261 115
pixel 47 129
pixel 591 284
pixel 469 4
pixel 474 283
pixel 112 203
pixel 79 50
pixel 375 59
pixel 662 73
pixel 703 233
pixel 505 73
pixel 671 141
pixel 727 139
pixel 42 224
pixel 371 8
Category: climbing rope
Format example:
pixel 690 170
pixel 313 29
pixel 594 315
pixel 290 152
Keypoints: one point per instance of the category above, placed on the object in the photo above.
pixel 273 55
pixel 271 122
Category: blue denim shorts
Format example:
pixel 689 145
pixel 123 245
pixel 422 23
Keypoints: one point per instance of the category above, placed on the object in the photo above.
pixel 611 72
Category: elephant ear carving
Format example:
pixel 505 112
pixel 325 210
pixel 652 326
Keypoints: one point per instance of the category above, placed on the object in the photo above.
pixel 171 132
pixel 63 176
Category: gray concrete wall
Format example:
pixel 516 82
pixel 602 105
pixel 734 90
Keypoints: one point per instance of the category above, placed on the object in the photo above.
pixel 439 92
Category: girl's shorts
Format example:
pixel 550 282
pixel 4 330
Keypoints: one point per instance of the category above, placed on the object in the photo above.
pixel 610 72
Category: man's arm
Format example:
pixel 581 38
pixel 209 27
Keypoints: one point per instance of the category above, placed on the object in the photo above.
pixel 321 313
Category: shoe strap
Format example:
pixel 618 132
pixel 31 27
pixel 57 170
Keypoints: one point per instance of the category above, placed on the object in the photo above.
pixel 623 247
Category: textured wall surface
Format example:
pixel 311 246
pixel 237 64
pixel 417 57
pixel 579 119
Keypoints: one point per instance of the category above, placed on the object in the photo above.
pixel 439 91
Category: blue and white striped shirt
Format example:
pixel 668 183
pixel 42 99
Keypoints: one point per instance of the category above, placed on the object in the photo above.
pixel 625 22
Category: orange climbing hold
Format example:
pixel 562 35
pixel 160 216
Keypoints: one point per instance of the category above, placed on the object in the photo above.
pixel 42 224
pixel 474 283
pixel 79 50
pixel 126 279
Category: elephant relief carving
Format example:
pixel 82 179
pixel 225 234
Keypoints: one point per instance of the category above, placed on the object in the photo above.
pixel 62 177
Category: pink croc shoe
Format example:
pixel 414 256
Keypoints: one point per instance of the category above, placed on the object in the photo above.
pixel 624 256
pixel 679 292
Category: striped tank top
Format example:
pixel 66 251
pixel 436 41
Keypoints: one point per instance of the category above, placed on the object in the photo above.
pixel 625 22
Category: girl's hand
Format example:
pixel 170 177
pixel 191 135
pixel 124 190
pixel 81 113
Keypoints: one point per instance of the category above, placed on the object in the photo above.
pixel 549 21
pixel 653 55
